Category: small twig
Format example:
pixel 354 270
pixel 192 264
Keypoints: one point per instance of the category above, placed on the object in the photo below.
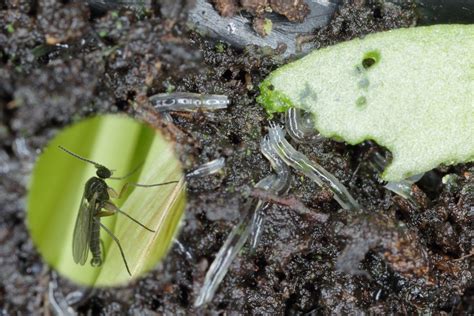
pixel 351 182
pixel 466 256
pixel 290 201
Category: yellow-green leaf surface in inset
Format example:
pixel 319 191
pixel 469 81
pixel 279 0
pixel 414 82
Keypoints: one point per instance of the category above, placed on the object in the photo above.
pixel 57 185
pixel 410 90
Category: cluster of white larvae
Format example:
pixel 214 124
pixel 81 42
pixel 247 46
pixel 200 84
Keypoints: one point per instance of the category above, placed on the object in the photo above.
pixel 281 155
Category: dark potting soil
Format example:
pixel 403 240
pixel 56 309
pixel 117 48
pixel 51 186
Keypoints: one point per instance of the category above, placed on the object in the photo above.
pixel 60 62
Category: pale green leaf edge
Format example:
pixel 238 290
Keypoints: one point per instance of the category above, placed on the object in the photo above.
pixel 275 100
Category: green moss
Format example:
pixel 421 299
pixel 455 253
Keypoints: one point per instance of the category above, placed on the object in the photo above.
pixel 273 101
pixel 220 47
pixel 10 28
pixel 267 26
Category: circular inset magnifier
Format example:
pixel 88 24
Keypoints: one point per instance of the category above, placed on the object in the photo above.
pixel 105 200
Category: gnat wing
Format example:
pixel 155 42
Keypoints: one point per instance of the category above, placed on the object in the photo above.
pixel 82 230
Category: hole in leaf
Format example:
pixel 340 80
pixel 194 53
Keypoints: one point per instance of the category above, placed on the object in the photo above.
pixel 368 62
pixel 370 59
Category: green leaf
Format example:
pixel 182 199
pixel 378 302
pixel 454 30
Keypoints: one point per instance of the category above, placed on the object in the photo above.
pixel 410 90
pixel 57 186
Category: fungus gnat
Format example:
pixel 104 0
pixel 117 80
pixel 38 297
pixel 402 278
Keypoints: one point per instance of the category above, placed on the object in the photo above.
pixel 95 204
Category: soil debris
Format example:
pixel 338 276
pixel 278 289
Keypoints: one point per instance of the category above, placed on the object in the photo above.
pixel 258 24
pixel 294 11
pixel 225 7
pixel 113 62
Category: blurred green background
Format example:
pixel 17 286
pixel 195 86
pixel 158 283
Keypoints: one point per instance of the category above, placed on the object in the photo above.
pixel 57 185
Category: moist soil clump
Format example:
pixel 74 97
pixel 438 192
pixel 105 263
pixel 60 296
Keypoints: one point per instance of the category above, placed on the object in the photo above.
pixel 61 61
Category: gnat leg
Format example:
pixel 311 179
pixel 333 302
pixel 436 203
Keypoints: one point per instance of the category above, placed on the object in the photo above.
pixel 116 195
pixel 118 244
pixel 128 174
pixel 112 208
